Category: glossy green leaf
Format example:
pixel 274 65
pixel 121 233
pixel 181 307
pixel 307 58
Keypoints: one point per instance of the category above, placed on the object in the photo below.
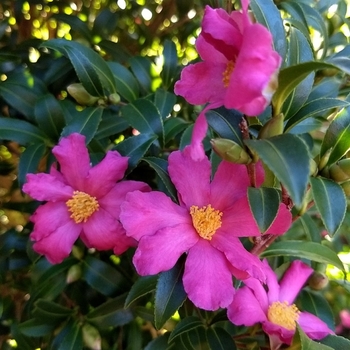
pixel 170 294
pixel 173 127
pixel 164 101
pixel 110 124
pixel 268 14
pixel 311 230
pixel 195 339
pixel 103 277
pixel 186 136
pixel 337 137
pixel 219 339
pixel 287 157
pixel 330 201
pixel 304 250
pixel 50 312
pixel 144 116
pixel 143 286
pixel 111 313
pixel 141 67
pixel 160 343
pixel 170 62
pixel 336 342
pixel 302 342
pixel 264 203
pixel 30 160
pixel 126 83
pixel 185 325
pixel 70 337
pixel 85 122
pixel 35 328
pixel 161 168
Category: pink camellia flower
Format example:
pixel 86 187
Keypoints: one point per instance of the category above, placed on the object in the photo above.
pixel 274 308
pixel 206 225
pixel 81 201
pixel 239 67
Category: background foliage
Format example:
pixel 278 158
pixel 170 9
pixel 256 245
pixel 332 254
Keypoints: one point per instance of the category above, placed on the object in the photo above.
pixel 123 58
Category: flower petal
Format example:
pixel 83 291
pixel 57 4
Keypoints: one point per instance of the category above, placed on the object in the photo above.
pixel 208 52
pixel 143 214
pixel 45 187
pixel 74 160
pixel 207 278
pixel 123 244
pixel 259 292
pixel 160 252
pixel 275 331
pixel 191 178
pixel 313 326
pixel 293 280
pixel 282 222
pixel 272 283
pixel 245 308
pixel 103 176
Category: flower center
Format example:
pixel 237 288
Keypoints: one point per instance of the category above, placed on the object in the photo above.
pixel 82 206
pixel 206 220
pixel 283 314
pixel 227 73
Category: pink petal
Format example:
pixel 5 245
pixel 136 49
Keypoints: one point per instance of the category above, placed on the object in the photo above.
pixel 160 252
pixel 259 174
pixel 143 214
pixel 45 187
pixel 101 231
pixel 112 201
pixel 200 129
pixel 124 243
pixel 245 309
pixel 314 327
pixel 282 222
pixel 103 176
pixel 194 83
pixel 293 280
pixel 58 244
pixel 208 52
pixel 237 255
pixel 279 332
pixel 259 291
pixel 272 283
pixel 74 160
pixel 191 178
pixel 207 278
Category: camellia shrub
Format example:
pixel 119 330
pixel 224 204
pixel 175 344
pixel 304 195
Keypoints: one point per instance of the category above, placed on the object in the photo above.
pixel 174 175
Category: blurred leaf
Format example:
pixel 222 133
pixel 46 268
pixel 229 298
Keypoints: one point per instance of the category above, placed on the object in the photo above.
pixel 35 328
pixel 160 343
pixel 29 161
pixel 164 101
pixel 195 339
pixel 141 67
pixel 23 342
pixel 330 201
pixel 160 166
pixel 185 325
pixel 287 157
pixel 336 342
pixel 170 294
pixel 264 203
pixel 70 337
pixel 170 62
pixel 111 124
pixel 173 127
pixel 116 50
pixel 304 250
pixel 85 122
pixel 75 23
pixel 143 286
pixel 126 83
pixel 219 339
pixel 50 312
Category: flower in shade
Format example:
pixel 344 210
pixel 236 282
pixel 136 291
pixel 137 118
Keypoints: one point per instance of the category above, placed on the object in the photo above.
pixel 206 225
pixel 274 308
pixel 82 201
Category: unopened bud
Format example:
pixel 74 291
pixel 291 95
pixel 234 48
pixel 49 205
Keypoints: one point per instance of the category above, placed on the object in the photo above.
pixel 346 187
pixel 114 98
pixel 273 127
pixel 74 273
pixel 91 337
pixel 318 281
pixel 340 171
pixel 79 93
pixel 324 160
pixel 313 168
pixel 230 151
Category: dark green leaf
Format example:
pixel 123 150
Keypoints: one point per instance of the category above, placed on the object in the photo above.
pixel 50 312
pixel 170 62
pixel 330 201
pixel 219 339
pixel 186 137
pixel 170 294
pixel 160 343
pixel 185 325
pixel 23 342
pixel 302 342
pixel 141 67
pixel 75 23
pixel 111 124
pixel 143 286
pixel 310 228
pixel 264 203
pixel 35 328
pixel 70 337
pixel 336 342
pixel 304 250
pixel 117 51
pixel 173 127
pixel 164 101
pixel 195 339
pixel 287 157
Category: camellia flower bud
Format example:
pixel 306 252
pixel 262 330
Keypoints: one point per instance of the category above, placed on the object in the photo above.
pixel 230 151
pixel 74 273
pixel 273 127
pixel 79 93
pixel 346 187
pixel 91 337
pixel 324 160
pixel 114 98
pixel 318 281
pixel 340 171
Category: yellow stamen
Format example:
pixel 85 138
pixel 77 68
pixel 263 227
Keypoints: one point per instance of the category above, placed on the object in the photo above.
pixel 226 75
pixel 82 206
pixel 283 314
pixel 206 220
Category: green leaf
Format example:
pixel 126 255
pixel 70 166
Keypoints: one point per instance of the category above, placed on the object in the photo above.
pixel 160 343
pixel 219 339
pixel 49 115
pixel 30 160
pixel 330 201
pixel 173 127
pixel 264 203
pixel 304 250
pixel 336 342
pixel 141 67
pixel 160 166
pixel 185 325
pixel 310 228
pixel 85 122
pixel 268 14
pixel 144 116
pixel 103 277
pixel 144 285
pixel 126 83
pixel 337 137
pixel 164 101
pixel 70 337
pixel 20 131
pixel 111 314
pixel 35 328
pixel 170 62
pixel 287 157
pixel 195 339
pixel 75 23
pixel 110 124
pixel 23 342
pixel 170 294
pixel 50 312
